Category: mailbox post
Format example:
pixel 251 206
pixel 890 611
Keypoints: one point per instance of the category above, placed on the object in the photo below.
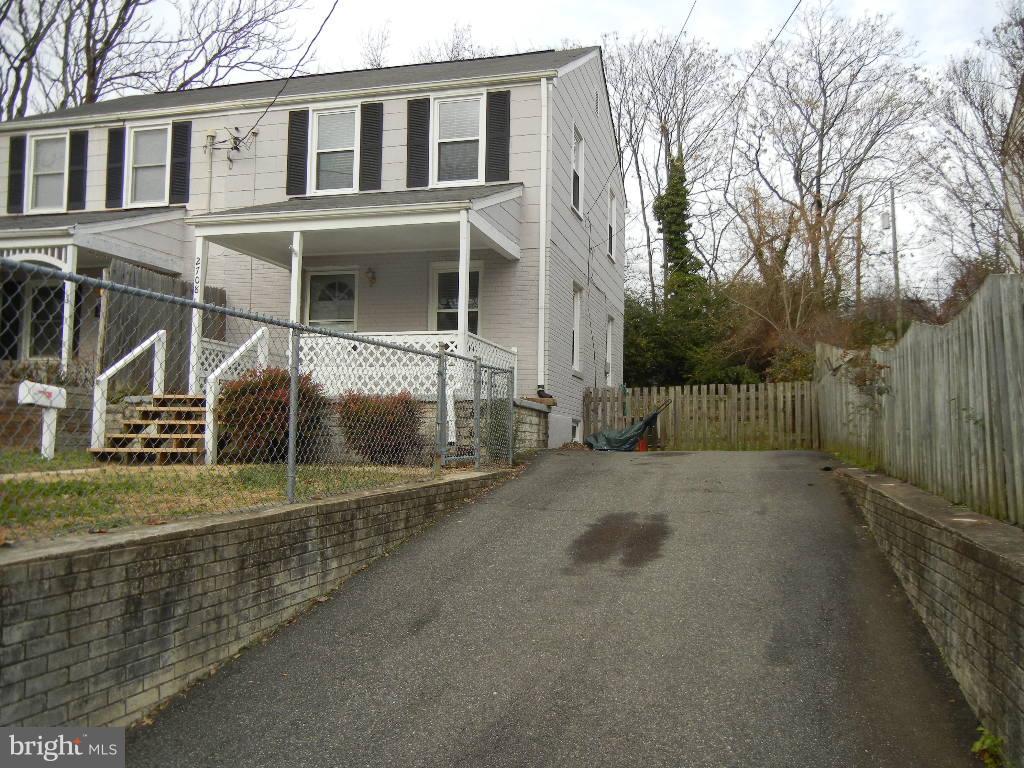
pixel 50 399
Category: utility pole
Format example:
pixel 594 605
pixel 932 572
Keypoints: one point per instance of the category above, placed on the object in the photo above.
pixel 895 261
pixel 858 254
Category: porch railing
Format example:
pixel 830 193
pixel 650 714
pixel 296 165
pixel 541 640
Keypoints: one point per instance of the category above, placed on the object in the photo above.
pixel 158 341
pixel 341 365
pixel 256 346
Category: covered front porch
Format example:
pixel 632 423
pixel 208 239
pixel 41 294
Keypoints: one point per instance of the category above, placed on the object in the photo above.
pixel 416 268
pixel 48 323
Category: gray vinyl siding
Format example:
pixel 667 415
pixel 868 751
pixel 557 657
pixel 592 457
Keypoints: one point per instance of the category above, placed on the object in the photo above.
pixel 505 217
pixel 577 254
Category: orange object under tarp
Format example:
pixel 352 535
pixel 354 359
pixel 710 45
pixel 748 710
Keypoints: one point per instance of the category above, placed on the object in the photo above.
pixel 642 445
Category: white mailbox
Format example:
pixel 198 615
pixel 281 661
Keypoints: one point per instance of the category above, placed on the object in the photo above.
pixel 50 399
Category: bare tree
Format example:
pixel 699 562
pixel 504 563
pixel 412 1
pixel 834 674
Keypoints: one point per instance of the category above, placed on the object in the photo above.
pixel 976 163
pixel 375 47
pixel 458 45
pixel 24 28
pixel 833 114
pixel 62 53
pixel 665 91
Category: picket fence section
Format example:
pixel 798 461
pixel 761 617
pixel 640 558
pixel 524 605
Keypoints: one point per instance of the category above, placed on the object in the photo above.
pixel 943 408
pixel 780 415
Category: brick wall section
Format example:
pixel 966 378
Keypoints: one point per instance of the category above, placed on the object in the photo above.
pixel 98 633
pixel 964 574
pixel 531 425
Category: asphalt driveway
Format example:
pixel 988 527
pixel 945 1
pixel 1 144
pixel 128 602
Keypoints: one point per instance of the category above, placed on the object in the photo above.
pixel 704 609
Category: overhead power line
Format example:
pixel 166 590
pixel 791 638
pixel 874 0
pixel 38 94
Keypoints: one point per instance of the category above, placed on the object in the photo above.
pixel 291 74
pixel 725 111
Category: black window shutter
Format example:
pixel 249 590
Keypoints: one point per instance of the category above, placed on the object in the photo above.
pixel 181 161
pixel 498 129
pixel 298 151
pixel 16 175
pixel 115 168
pixel 371 139
pixel 78 156
pixel 417 160
pixel 11 301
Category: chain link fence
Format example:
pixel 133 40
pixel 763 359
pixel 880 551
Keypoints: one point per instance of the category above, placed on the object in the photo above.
pixel 121 405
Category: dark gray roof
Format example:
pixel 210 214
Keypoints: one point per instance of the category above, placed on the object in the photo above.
pixel 48 220
pixel 369 199
pixel 412 74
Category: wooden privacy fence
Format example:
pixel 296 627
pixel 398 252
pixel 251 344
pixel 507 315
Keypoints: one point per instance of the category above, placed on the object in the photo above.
pixel 942 409
pixel 780 415
pixel 127 320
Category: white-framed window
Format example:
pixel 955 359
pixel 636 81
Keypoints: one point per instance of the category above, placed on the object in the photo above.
pixel 332 299
pixel 578 156
pixel 444 297
pixel 577 317
pixel 149 157
pixel 335 155
pixel 458 148
pixel 42 319
pixel 48 173
pixel 609 336
pixel 613 214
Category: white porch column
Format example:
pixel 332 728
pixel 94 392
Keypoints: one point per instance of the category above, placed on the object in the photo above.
pixel 67 334
pixel 295 305
pixel 295 300
pixel 463 320
pixel 195 384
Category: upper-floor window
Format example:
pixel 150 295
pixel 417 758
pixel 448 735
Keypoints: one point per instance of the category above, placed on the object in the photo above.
pixel 49 159
pixel 458 155
pixel 148 157
pixel 577 168
pixel 335 156
pixel 613 213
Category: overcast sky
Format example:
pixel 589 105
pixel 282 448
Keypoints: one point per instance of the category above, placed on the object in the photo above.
pixel 942 28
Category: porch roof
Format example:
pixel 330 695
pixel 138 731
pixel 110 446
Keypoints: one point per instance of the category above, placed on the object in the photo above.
pixel 365 222
pixel 65 223
pixel 96 235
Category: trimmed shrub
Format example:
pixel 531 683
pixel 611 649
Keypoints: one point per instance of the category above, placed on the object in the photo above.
pixel 382 429
pixel 253 415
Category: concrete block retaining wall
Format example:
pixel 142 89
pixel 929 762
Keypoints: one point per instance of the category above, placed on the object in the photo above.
pixel 99 631
pixel 964 574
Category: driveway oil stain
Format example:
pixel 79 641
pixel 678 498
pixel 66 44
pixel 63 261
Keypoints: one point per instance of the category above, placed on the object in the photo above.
pixel 623 536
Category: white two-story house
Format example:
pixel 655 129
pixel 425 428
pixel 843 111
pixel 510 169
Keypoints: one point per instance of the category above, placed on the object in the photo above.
pixel 478 202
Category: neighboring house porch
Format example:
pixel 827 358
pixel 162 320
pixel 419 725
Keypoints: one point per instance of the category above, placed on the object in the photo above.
pixel 47 323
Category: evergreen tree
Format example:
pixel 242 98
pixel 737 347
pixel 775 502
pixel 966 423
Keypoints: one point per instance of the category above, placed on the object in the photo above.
pixel 680 342
pixel 672 210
